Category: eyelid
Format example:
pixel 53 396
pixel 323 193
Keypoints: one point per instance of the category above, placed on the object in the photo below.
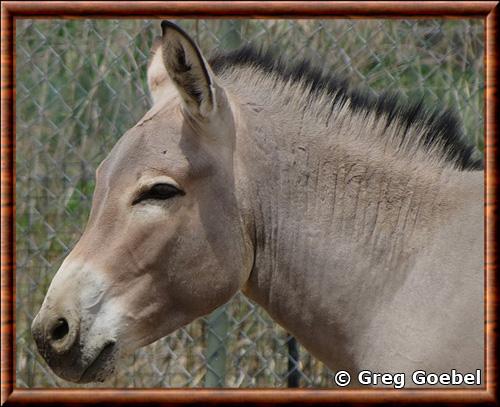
pixel 147 184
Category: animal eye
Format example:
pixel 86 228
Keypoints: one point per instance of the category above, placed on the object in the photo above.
pixel 158 192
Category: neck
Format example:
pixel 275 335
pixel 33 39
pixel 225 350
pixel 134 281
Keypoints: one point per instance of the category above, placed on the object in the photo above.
pixel 331 225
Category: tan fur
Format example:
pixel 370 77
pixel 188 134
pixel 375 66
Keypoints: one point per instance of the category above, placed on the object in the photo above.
pixel 369 253
pixel 157 75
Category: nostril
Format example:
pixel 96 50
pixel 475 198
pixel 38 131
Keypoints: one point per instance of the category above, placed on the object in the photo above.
pixel 60 329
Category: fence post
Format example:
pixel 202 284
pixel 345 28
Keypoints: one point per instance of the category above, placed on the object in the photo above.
pixel 216 348
pixel 293 378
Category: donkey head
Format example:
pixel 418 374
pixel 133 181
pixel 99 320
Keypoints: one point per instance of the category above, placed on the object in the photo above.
pixel 165 241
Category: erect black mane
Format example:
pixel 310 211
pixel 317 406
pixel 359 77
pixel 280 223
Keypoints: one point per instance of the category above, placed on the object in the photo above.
pixel 443 125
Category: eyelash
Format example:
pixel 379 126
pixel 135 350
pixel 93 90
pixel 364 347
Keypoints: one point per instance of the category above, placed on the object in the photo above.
pixel 158 192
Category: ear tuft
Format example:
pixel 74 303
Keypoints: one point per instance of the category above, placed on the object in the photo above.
pixel 157 74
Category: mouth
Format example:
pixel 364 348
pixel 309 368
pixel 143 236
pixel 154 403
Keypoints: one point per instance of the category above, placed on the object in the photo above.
pixel 101 366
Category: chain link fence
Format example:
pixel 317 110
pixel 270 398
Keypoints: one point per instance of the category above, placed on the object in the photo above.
pixel 82 83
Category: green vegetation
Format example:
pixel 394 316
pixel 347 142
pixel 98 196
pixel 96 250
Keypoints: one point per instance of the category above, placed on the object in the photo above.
pixel 82 83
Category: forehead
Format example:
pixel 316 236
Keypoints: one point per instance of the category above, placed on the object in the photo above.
pixel 161 142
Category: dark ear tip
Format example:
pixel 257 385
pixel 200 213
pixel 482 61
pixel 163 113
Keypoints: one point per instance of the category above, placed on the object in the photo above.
pixel 165 24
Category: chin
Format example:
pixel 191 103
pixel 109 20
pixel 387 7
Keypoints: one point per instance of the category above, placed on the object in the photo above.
pixel 98 370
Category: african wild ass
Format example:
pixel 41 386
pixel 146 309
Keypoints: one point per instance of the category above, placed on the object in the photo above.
pixel 356 222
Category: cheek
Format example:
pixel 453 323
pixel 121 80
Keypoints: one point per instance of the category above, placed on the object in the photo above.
pixel 147 242
pixel 222 226
pixel 191 257
pixel 198 280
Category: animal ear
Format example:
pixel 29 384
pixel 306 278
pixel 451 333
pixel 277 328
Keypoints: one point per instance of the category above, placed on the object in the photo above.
pixel 157 74
pixel 188 70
